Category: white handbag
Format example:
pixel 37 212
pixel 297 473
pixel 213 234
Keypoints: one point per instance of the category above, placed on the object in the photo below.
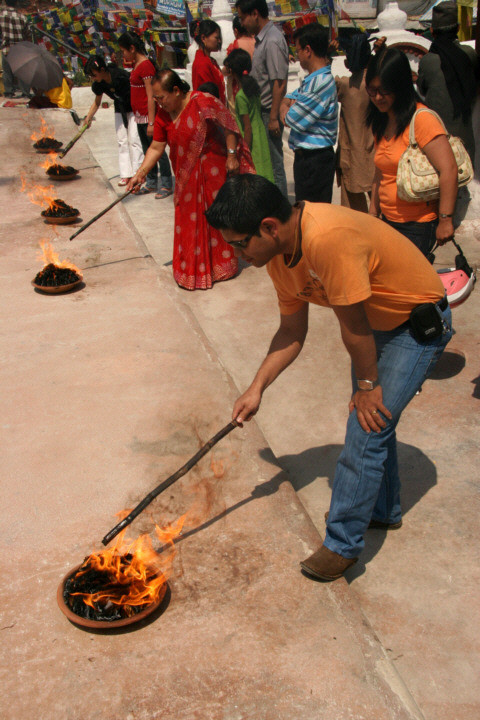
pixel 417 179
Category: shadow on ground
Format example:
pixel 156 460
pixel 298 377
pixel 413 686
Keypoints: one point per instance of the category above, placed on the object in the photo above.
pixel 417 471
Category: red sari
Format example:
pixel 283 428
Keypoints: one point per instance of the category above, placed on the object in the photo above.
pixel 205 69
pixel 198 155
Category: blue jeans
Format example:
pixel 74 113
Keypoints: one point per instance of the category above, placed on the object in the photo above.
pixel 163 164
pixel 366 483
pixel 422 234
pixel 275 145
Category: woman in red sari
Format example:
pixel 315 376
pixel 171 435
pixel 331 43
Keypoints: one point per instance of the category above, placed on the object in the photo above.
pixel 205 144
pixel 208 35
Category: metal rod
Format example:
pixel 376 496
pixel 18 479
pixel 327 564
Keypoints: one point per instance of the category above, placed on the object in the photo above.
pixel 169 481
pixel 60 42
pixel 72 142
pixel 94 219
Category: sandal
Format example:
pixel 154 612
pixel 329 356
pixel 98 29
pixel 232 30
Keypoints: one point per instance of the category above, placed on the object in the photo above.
pixel 163 193
pixel 123 181
pixel 145 190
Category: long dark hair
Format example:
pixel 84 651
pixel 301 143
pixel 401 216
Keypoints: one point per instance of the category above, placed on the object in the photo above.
pixel 393 69
pixel 202 27
pixel 169 80
pixel 240 63
pixel 127 39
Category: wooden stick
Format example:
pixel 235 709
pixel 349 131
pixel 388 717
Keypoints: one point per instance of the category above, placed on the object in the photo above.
pixel 166 483
pixel 72 142
pixel 87 224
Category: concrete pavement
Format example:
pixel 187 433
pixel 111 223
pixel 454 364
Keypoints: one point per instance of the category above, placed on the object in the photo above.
pixel 102 398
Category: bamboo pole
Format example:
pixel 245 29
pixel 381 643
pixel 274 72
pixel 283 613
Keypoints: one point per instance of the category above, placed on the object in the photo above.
pixel 72 142
pixel 169 481
pixel 94 219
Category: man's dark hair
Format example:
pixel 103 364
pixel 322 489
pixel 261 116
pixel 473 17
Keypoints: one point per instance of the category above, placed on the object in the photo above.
pixel 244 201
pixel 248 6
pixel 393 69
pixel 314 35
pixel 11 3
pixel 357 50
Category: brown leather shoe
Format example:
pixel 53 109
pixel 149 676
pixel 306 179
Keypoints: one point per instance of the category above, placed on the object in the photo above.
pixel 326 564
pixel 378 524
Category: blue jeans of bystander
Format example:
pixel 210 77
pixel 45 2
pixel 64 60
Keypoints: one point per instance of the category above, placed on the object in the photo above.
pixel 422 234
pixel 367 484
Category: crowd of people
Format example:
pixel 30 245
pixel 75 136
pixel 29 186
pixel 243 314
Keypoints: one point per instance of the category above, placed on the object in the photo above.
pixel 368 259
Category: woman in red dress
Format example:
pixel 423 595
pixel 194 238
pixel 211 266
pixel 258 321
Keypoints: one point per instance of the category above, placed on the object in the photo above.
pixel 208 35
pixel 205 144
pixel 143 107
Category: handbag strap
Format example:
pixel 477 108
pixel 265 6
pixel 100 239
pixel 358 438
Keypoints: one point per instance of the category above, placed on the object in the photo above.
pixel 411 133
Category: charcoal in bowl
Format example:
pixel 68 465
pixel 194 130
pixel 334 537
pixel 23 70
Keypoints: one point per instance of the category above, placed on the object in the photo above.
pixel 47 143
pixel 53 276
pixel 89 580
pixel 61 170
pixel 60 209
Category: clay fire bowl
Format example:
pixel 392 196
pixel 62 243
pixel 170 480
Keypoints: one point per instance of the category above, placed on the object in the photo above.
pixel 68 220
pixel 57 290
pixel 103 624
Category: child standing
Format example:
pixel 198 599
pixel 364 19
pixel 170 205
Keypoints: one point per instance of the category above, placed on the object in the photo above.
pixel 248 111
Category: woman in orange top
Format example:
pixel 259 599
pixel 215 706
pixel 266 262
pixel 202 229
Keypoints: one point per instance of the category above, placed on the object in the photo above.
pixel 208 35
pixel 393 103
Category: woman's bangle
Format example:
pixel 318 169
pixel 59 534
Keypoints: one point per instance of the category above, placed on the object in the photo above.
pixel 232 151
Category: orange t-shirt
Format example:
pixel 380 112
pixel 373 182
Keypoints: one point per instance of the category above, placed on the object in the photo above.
pixel 350 257
pixel 387 157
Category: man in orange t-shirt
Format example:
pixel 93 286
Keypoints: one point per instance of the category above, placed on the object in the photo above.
pixel 372 277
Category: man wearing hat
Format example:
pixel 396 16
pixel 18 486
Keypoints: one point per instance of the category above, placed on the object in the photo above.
pixel 447 79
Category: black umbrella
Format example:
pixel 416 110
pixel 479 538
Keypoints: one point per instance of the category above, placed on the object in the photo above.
pixel 35 66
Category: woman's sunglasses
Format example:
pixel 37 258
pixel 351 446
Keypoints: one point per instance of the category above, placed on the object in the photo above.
pixel 373 92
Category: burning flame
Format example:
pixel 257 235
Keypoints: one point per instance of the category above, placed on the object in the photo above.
pixel 39 195
pixel 45 131
pixel 50 160
pixel 145 573
pixel 48 255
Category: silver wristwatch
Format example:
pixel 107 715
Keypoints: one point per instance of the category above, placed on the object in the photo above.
pixel 367 384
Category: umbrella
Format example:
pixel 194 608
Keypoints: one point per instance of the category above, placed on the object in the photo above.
pixel 35 66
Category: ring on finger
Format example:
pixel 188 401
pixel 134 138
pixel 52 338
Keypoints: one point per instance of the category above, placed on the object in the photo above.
pixel 374 412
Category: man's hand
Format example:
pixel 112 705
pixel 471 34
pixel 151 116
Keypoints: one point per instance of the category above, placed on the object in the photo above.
pixel 149 130
pixel 274 128
pixel 369 405
pixel 247 405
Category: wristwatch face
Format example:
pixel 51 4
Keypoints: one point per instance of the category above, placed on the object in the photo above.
pixel 367 384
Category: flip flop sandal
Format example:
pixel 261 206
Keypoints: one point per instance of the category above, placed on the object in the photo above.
pixel 163 193
pixel 145 191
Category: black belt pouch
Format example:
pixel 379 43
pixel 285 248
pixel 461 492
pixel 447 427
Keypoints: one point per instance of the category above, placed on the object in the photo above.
pixel 426 322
